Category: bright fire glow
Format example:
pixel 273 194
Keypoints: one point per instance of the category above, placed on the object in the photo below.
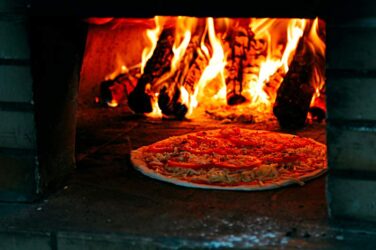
pixel 152 35
pixel 318 46
pixel 214 69
pixel 120 68
pixel 254 53
pixel 157 112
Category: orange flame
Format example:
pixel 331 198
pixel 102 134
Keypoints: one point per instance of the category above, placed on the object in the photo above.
pixel 152 35
pixel 214 70
pixel 279 36
pixel 318 82
pixel 156 111
pixel 119 69
pixel 267 29
pixel 184 26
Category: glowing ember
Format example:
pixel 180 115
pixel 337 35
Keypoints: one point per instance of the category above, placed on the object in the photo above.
pixel 157 112
pixel 218 62
pixel 112 103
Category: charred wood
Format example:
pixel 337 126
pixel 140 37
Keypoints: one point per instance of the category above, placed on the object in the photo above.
pixel 105 94
pixel 233 83
pixel 169 95
pixel 274 82
pixel 171 107
pixel 318 107
pixel 186 62
pixel 196 68
pixel 317 114
pixel 295 93
pixel 189 72
pixel 195 72
pixel 238 43
pixel 244 60
pixel 119 88
pixel 158 64
pixel 254 56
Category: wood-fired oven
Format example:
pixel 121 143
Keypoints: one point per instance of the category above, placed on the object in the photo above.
pixel 68 122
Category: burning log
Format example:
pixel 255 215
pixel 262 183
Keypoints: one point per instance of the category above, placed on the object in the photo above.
pixel 317 114
pixel 195 71
pixel 254 56
pixel 295 93
pixel 274 82
pixel 169 100
pixel 244 61
pixel 186 62
pixel 238 43
pixel 172 107
pixel 318 106
pixel 233 83
pixel 115 92
pixel 158 64
pixel 105 93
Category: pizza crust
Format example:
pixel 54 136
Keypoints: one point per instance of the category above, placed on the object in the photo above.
pixel 140 165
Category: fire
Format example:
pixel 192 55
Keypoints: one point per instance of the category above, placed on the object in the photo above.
pixel 119 69
pixel 184 95
pixel 318 82
pixel 295 32
pixel 157 112
pixel 213 70
pixel 184 27
pixel 217 62
pixel 152 35
pixel 113 103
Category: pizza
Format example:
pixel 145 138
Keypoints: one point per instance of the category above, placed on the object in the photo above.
pixel 232 158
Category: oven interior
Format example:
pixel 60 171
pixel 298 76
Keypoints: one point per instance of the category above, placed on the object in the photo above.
pixel 83 119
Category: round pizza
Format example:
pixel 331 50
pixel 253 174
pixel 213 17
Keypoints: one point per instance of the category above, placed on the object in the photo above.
pixel 232 158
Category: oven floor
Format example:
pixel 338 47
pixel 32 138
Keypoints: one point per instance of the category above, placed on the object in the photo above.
pixel 107 204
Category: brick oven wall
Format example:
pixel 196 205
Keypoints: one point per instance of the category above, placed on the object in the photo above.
pixel 18 161
pixel 351 131
pixel 40 60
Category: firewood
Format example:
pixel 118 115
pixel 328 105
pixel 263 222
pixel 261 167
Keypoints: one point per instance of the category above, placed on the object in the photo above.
pixel 187 61
pixel 172 107
pixel 169 96
pixel 295 93
pixel 105 94
pixel 188 74
pixel 233 83
pixel 158 64
pixel 274 82
pixel 318 107
pixel 317 114
pixel 119 88
pixel 195 70
pixel 238 42
pixel 255 55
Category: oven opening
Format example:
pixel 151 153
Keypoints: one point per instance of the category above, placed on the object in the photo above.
pixel 148 80
pixel 246 70
pixel 197 90
pixel 144 81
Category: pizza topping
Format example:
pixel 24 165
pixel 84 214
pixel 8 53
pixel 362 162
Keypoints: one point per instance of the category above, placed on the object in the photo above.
pixel 181 164
pixel 236 162
pixel 160 148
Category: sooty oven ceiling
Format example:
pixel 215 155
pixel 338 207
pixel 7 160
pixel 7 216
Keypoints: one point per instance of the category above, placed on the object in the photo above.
pixel 147 8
